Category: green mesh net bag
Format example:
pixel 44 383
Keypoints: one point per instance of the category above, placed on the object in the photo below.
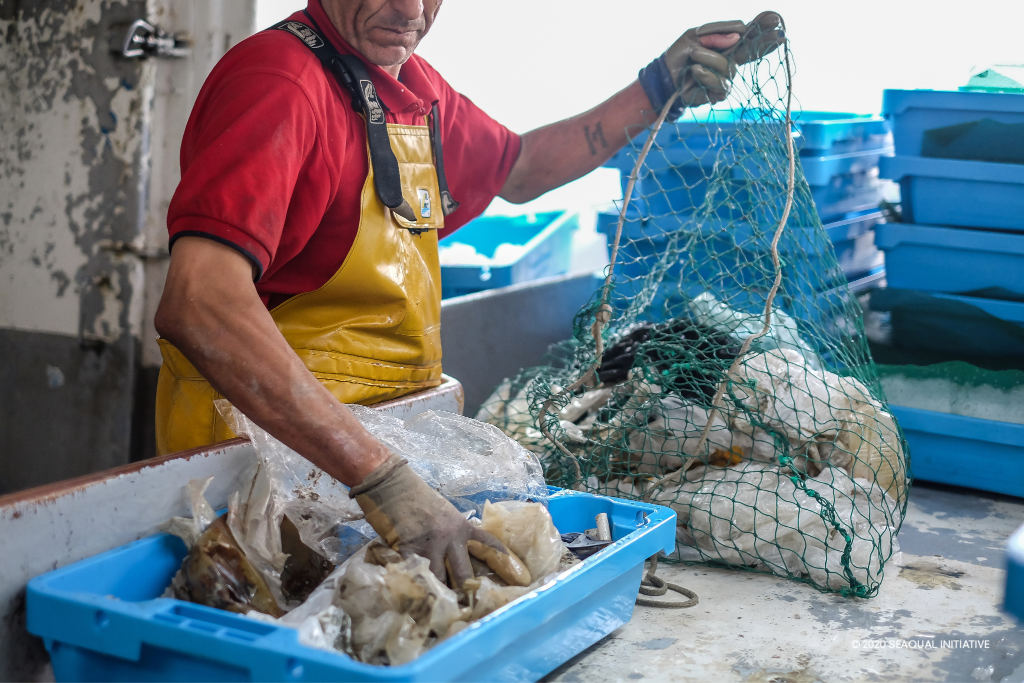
pixel 722 369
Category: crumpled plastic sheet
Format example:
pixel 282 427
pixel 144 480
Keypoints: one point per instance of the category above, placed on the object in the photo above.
pixel 782 334
pixel 189 529
pixel 467 461
pixel 827 419
pixel 527 530
pixel 216 572
pixel 392 614
pixel 459 457
pixel 754 515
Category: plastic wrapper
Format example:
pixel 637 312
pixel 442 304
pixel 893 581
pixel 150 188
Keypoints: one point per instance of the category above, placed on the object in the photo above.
pixel 755 515
pixel 397 611
pixel 828 419
pixel 527 530
pixel 783 333
pixel 383 610
pixel 673 433
pixel 285 483
pixel 190 529
pixel 465 460
pixel 491 596
pixel 216 571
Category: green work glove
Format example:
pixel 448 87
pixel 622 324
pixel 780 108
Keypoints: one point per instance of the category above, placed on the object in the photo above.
pixel 414 519
pixel 703 74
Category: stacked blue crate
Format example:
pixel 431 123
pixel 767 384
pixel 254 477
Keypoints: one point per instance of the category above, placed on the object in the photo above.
pixel 958 256
pixel 960 165
pixel 545 238
pixel 843 152
pixel 839 155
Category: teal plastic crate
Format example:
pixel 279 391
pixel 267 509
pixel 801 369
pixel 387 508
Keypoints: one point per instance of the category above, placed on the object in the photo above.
pixel 964 451
pixel 912 112
pixel 822 131
pixel 839 155
pixel 101 619
pixel 970 194
pixel 1014 600
pixel 547 238
pixel 938 259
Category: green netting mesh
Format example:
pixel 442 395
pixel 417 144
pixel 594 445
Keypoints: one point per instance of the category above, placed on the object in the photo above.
pixel 721 375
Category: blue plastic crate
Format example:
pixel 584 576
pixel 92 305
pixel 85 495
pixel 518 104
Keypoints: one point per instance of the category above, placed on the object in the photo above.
pixel 1014 600
pixel 839 154
pixel 734 266
pixel 548 241
pixel 102 620
pixel 964 451
pixel 822 130
pixel 819 170
pixel 1010 311
pixel 950 260
pixel 970 194
pixel 912 112
pixel 816 134
pixel 852 239
pixel 666 193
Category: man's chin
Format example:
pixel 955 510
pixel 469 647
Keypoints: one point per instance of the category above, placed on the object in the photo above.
pixel 388 55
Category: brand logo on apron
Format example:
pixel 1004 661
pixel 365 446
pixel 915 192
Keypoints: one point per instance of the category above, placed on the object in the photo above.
pixel 305 33
pixel 424 203
pixel 372 103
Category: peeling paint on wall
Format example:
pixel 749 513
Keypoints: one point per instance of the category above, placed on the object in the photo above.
pixel 74 120
pixel 89 147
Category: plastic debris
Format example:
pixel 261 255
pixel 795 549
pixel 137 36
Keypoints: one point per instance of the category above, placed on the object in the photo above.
pixel 783 430
pixel 273 555
pixel 216 571
pixel 583 545
pixel 381 609
pixel 783 333
pixel 527 530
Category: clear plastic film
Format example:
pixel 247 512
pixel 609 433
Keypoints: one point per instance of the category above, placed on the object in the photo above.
pixel 293 523
pixel 217 571
pixel 467 461
pixel 383 610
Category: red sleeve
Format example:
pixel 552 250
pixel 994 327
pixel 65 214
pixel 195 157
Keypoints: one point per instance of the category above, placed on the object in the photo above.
pixel 479 153
pixel 251 135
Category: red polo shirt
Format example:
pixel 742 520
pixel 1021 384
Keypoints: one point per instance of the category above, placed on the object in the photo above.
pixel 273 159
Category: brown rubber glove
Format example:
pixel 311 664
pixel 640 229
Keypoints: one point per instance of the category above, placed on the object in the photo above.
pixel 704 75
pixel 414 519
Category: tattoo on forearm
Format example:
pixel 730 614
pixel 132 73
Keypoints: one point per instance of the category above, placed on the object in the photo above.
pixel 594 138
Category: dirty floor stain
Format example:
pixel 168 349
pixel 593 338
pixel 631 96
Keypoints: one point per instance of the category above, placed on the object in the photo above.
pixel 929 575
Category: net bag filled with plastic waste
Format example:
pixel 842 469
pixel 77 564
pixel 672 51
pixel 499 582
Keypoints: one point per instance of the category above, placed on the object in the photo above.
pixel 722 368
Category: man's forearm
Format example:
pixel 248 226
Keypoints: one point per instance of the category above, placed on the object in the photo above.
pixel 211 312
pixel 564 151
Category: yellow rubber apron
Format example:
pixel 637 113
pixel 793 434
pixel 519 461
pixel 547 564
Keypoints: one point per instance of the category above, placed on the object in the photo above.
pixel 372 333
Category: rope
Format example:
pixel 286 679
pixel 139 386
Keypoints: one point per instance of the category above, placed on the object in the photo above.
pixel 604 312
pixel 652 585
pixel 790 188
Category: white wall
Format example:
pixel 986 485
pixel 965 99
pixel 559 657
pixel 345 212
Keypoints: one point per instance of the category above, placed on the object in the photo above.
pixel 531 62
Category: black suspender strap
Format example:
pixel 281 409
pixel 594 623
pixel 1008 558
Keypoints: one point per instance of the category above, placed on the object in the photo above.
pixel 352 75
pixel 448 203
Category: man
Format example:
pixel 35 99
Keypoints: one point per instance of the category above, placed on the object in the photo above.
pixel 304 272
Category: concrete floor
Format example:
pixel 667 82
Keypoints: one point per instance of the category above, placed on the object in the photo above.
pixel 757 628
